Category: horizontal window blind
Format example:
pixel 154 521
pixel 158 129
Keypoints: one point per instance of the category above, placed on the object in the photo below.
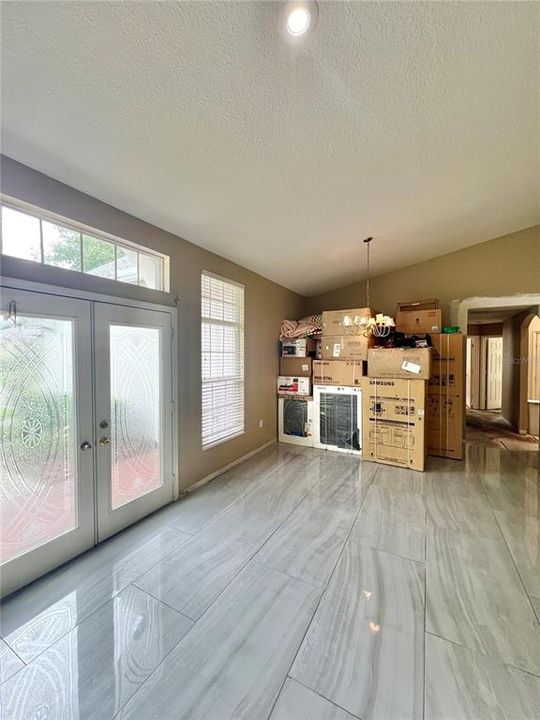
pixel 222 359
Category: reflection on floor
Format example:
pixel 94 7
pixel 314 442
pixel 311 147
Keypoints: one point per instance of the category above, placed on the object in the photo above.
pixel 300 585
pixel 490 429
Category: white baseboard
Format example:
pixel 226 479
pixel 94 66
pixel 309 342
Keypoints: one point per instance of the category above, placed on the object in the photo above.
pixel 215 474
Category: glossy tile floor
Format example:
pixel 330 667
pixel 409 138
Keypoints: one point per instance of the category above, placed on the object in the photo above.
pixel 301 585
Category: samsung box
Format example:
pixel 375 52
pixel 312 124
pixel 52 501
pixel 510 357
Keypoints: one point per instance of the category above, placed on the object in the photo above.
pixel 419 321
pixel 343 322
pixel 394 422
pixel 345 347
pixel 296 366
pixel 339 372
pixel 413 363
pixel 303 347
pixel 289 385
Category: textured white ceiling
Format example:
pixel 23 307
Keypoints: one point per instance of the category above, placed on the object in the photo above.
pixel 415 123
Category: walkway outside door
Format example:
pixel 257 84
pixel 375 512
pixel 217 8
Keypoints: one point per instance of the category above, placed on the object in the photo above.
pixel 86 425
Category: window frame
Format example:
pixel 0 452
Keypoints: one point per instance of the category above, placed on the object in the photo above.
pixel 240 356
pixel 43 215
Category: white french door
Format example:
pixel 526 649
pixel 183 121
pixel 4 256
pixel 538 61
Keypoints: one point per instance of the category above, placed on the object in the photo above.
pixel 133 414
pixel 86 425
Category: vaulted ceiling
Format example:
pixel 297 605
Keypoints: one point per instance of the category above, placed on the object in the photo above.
pixel 417 123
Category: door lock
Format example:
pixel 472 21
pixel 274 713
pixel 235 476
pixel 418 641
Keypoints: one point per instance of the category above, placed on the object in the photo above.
pixel 104 441
pixel 86 445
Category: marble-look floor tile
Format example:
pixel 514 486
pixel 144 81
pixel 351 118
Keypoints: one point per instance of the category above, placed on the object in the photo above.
pixel 195 509
pixel 40 614
pixel 474 598
pixel 392 520
pixel 523 538
pixel 399 479
pixel 364 649
pixel 10 663
pixel 536 606
pixel 462 509
pixel 462 684
pixel 94 670
pixel 296 702
pixel 234 660
pixel 343 485
pixel 307 545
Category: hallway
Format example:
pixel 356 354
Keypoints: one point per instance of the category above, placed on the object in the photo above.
pixel 488 428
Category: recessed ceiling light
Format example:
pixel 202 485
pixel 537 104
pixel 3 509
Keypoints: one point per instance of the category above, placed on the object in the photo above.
pixel 298 21
pixel 300 17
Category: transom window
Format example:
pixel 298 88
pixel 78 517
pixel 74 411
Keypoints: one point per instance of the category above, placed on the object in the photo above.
pixel 222 359
pixel 34 234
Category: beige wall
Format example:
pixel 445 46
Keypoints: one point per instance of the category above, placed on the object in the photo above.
pixel 505 266
pixel 266 304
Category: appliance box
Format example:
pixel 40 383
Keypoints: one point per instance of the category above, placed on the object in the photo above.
pixel 342 322
pixel 448 364
pixel 346 347
pixel 446 397
pixel 338 372
pixel 304 347
pixel 338 418
pixel 394 422
pixel 295 366
pixel 419 322
pixel 413 363
pixel 295 421
pixel 289 385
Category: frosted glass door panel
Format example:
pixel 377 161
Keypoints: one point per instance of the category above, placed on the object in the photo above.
pixel 46 470
pixel 38 434
pixel 135 412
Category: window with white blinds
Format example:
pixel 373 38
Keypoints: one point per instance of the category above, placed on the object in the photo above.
pixel 222 359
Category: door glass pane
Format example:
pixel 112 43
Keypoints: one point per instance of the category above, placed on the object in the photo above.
pixel 135 412
pixel 38 462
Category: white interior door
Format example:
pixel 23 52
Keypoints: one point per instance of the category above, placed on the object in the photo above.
pixel 494 373
pixel 46 455
pixel 134 411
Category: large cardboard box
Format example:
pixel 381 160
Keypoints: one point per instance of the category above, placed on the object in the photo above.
pixel 343 322
pixel 294 386
pixel 419 322
pixel 445 425
pixel 296 366
pixel 446 397
pixel 413 363
pixel 303 347
pixel 339 372
pixel 394 422
pixel 448 366
pixel 345 347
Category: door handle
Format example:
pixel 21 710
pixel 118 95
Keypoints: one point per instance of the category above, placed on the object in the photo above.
pixel 104 441
pixel 86 445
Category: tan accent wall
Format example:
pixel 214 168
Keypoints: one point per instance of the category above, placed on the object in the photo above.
pixel 266 304
pixel 505 266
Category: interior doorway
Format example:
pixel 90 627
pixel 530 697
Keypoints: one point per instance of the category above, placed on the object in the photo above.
pixel 86 424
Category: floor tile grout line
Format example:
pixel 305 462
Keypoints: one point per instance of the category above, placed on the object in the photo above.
pixel 486 494
pixel 99 607
pixel 15 653
pixel 162 602
pixel 497 659
pixel 323 592
pixel 250 559
pixel 316 692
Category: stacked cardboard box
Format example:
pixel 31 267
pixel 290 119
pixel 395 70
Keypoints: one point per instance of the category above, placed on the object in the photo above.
pixel 446 397
pixel 394 409
pixel 341 337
